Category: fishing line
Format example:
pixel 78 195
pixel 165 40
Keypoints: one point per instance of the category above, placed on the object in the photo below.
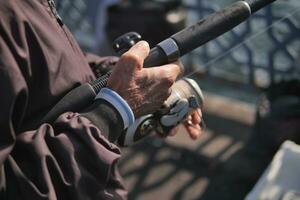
pixel 244 42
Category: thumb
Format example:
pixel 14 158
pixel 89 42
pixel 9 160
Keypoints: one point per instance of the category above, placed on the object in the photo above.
pixel 137 54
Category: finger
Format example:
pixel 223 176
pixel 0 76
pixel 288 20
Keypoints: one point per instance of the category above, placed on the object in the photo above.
pixel 193 130
pixel 176 66
pixel 179 63
pixel 189 119
pixel 171 71
pixel 174 131
pixel 196 116
pixel 137 54
pixel 202 122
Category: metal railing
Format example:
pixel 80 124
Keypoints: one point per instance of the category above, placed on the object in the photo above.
pixel 261 51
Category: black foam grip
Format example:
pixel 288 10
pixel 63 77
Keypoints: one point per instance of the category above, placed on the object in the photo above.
pixel 211 27
pixel 156 57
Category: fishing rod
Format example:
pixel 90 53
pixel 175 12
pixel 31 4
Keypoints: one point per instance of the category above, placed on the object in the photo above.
pixel 167 51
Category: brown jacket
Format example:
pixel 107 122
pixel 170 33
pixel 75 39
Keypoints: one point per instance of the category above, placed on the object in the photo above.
pixel 70 158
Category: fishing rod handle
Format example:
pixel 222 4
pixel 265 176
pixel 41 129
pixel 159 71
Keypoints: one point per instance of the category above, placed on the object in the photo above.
pixel 203 31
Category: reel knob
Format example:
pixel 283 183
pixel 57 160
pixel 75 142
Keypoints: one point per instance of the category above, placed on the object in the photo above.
pixel 125 42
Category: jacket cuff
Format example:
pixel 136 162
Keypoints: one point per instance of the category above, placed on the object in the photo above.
pixel 110 113
pixel 106 117
pixel 118 103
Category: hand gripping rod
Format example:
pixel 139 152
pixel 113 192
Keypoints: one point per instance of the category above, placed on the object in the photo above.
pixel 167 51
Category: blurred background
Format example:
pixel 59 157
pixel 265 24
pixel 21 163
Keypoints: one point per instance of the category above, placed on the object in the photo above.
pixel 250 78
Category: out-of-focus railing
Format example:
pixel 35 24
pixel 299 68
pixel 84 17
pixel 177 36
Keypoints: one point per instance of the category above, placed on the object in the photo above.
pixel 75 15
pixel 259 52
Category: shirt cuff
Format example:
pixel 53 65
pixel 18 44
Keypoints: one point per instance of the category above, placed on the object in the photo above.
pixel 119 104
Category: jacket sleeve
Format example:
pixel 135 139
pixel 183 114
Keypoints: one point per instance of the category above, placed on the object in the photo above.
pixel 69 159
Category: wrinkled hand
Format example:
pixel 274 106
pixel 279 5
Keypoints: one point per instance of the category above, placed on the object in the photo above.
pixel 144 89
pixel 191 124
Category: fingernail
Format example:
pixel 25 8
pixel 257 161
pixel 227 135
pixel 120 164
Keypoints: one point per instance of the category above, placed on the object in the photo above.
pixel 143 44
pixel 189 122
pixel 199 113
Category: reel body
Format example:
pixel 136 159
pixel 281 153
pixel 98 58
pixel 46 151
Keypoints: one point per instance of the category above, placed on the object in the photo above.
pixel 186 97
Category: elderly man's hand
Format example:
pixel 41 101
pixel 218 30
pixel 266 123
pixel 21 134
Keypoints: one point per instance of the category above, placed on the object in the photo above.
pixel 191 124
pixel 144 89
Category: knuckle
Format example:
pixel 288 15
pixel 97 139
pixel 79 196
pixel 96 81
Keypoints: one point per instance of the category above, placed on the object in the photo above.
pixel 169 81
pixel 164 77
pixel 165 95
pixel 168 93
pixel 132 58
pixel 168 77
